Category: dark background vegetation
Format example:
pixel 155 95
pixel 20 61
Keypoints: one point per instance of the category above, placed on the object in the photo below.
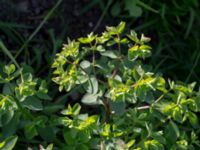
pixel 34 30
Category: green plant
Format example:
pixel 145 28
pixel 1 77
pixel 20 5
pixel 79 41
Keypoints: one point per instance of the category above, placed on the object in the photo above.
pixel 134 108
pixel 141 111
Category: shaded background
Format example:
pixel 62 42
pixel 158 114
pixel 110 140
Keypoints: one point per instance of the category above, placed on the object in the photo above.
pixel 34 30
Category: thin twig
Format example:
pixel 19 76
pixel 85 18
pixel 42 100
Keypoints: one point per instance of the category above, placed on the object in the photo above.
pixel 156 101
pixel 143 107
pixel 108 110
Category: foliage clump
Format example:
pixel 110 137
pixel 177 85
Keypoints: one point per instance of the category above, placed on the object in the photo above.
pixel 135 108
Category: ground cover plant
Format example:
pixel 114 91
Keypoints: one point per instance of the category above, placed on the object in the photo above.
pixel 130 107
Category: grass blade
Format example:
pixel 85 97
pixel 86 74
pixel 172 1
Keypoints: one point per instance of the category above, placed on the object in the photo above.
pixel 7 52
pixel 191 20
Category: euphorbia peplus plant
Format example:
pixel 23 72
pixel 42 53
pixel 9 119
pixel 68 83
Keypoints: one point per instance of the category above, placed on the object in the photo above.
pixel 134 108
pixel 141 111
pixel 108 69
pixel 21 98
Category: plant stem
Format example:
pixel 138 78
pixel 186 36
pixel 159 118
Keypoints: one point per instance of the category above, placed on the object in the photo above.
pixel 108 110
pixel 119 45
pixel 143 107
pixel 156 101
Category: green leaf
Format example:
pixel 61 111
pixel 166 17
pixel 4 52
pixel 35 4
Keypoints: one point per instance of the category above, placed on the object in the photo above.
pixel 47 133
pixel 71 147
pixel 175 128
pixel 132 8
pixel 106 130
pixel 130 143
pixel 193 119
pixel 7 88
pixel 110 54
pixel 40 120
pixel 52 108
pixel 33 103
pixel 91 99
pixel 80 79
pixel 133 36
pixel 86 40
pixel 92 85
pixel 144 39
pixel 30 131
pixel 88 123
pixel 183 88
pixel 121 27
pixel 115 10
pixel 9 143
pixel 177 114
pixel 159 137
pixel 75 110
pixel 118 107
pixel 197 102
pixel 83 147
pixel 116 30
pixel 7 116
pixel 9 69
pixel 70 136
pixel 86 66
pixel 11 128
pixel 28 77
pixel 49 147
pixel 133 52
pixel 100 48
pixel 43 96
pixel 141 51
